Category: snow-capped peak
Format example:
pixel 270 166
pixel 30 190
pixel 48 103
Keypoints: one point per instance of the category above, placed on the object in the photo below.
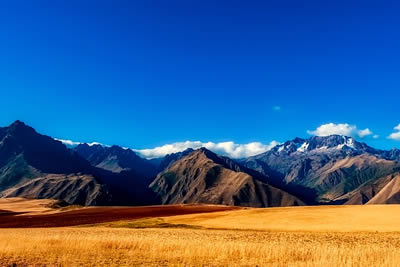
pixel 349 142
pixel 303 147
pixel 318 144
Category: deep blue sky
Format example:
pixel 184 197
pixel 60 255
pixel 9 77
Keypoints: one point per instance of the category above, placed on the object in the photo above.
pixel 146 73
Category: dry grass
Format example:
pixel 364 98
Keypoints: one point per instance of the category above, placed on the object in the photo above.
pixel 382 218
pixel 27 206
pixel 186 241
pixel 190 247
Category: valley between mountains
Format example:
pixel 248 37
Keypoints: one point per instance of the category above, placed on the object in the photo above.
pixel 332 170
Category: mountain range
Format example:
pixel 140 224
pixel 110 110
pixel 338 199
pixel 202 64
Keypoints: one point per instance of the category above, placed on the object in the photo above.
pixel 316 171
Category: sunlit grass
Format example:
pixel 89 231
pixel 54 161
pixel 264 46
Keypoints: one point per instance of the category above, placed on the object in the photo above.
pixel 303 236
pixel 128 247
pixel 382 218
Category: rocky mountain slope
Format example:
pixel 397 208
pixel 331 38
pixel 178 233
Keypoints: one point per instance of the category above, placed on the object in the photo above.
pixel 204 177
pixel 26 154
pixel 169 159
pixel 73 188
pixel 116 159
pixel 332 166
pixel 319 170
pixel 385 190
pixel 37 166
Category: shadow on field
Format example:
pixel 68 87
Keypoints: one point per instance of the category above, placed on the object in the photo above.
pixel 95 215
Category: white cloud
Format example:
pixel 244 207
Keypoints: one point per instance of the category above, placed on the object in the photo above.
pixel 375 136
pixel 396 134
pixel 68 142
pixel 340 129
pixel 73 143
pixel 364 133
pixel 224 148
pixel 96 143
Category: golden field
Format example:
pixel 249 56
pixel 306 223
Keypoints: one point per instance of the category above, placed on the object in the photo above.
pixel 299 236
pixel 191 247
pixel 381 218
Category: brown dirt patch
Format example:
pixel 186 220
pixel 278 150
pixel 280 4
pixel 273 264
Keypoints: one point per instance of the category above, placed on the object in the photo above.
pixel 94 215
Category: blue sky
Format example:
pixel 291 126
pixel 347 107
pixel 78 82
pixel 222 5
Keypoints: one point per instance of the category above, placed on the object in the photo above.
pixel 146 73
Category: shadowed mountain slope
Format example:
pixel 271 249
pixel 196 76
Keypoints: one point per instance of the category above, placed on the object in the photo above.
pixel 169 159
pixel 75 189
pixel 37 166
pixel 116 159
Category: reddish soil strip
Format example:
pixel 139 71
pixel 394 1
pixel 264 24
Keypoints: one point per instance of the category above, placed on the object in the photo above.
pixel 7 213
pixel 101 214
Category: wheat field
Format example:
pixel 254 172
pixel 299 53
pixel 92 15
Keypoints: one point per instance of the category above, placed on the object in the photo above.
pixel 370 218
pixel 194 247
pixel 356 236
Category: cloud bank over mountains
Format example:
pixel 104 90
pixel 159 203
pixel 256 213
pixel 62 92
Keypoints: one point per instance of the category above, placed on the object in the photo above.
pixel 340 129
pixel 233 150
pixel 230 148
pixel 72 143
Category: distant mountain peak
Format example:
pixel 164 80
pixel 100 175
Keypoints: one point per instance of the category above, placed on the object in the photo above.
pixel 169 159
pixel 115 159
pixel 18 122
pixel 298 140
pixel 205 151
pixel 185 152
pixel 19 127
pixel 321 143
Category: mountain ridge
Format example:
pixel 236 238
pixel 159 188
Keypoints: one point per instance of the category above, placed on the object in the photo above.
pixel 204 177
pixel 35 165
pixel 319 170
pixel 332 166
